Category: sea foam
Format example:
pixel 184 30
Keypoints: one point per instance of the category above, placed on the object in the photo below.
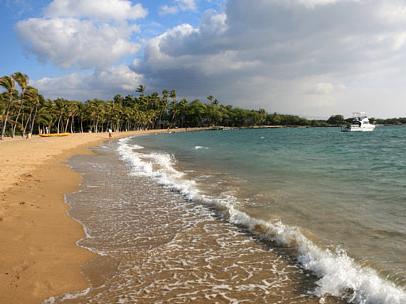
pixel 339 275
pixel 67 296
pixel 201 147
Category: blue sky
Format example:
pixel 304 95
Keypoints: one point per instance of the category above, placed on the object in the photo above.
pixel 308 57
pixel 19 59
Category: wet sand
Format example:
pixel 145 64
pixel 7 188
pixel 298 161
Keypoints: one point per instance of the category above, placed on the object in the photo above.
pixel 38 254
pixel 157 247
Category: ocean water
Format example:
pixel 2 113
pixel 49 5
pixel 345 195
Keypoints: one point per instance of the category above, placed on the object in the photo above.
pixel 338 198
pixel 245 216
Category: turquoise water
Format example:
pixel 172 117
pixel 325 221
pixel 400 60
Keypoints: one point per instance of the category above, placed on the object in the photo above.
pixel 342 190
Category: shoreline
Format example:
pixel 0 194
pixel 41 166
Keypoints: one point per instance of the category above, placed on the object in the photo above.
pixel 311 256
pixel 160 247
pixel 39 257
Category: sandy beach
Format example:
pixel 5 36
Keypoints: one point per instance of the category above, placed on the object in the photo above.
pixel 38 254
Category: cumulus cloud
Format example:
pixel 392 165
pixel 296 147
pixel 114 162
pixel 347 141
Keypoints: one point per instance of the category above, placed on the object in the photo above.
pixel 168 10
pixel 187 5
pixel 85 34
pixel 101 9
pixel 325 88
pixel 273 53
pixel 313 57
pixel 100 84
pixel 71 42
pixel 178 6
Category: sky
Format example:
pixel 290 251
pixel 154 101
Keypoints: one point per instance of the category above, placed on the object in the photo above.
pixel 313 58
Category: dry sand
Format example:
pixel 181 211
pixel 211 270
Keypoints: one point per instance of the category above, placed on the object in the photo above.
pixel 38 255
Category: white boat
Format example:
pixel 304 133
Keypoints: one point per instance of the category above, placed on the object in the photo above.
pixel 360 123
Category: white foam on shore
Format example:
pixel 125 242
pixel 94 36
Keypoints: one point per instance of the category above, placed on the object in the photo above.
pixel 67 296
pixel 339 275
pixel 85 231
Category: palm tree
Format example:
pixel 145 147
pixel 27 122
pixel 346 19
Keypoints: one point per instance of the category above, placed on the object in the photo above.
pixel 117 114
pixel 8 84
pixel 46 116
pixel 60 110
pixel 96 111
pixel 164 104
pixel 21 106
pixel 72 109
pixel 141 90
pixel 22 81
pixel 212 100
pixel 182 110
pixel 172 94
pixel 196 113
pixel 31 96
pixel 81 114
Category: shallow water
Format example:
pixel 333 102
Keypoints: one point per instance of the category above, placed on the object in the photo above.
pixel 256 216
pixel 344 191
pixel 157 247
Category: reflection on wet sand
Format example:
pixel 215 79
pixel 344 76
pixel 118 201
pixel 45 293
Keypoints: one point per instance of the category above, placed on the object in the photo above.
pixel 156 247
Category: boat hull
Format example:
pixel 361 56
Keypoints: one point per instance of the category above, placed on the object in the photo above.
pixel 54 135
pixel 370 128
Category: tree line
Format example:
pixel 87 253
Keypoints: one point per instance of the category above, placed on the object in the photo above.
pixel 25 111
pixel 339 120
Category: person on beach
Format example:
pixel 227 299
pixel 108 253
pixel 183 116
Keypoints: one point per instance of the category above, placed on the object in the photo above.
pixel 110 133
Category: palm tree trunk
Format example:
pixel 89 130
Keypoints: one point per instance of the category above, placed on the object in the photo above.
pixel 6 114
pixel 71 124
pixel 59 122
pixel 1 121
pixel 172 119
pixel 16 121
pixel 28 120
pixel 4 126
pixel 66 125
pixel 22 122
pixel 33 119
pixel 3 131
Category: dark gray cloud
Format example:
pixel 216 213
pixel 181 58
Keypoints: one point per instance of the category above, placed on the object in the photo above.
pixel 310 57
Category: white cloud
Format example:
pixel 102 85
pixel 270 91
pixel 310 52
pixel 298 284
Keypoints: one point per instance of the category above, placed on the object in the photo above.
pixel 313 3
pixel 89 34
pixel 213 23
pixel 186 5
pixel 178 6
pixel 394 11
pixel 325 88
pixel 313 57
pixel 100 84
pixel 71 42
pixel 84 34
pixel 101 9
pixel 292 56
pixel 168 10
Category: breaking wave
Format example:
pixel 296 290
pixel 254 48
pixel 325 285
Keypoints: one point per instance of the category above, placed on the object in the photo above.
pixel 338 274
pixel 201 147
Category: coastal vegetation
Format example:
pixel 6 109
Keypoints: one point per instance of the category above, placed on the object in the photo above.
pixel 25 111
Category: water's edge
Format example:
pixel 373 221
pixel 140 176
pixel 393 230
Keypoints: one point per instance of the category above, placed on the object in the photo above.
pixel 338 274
